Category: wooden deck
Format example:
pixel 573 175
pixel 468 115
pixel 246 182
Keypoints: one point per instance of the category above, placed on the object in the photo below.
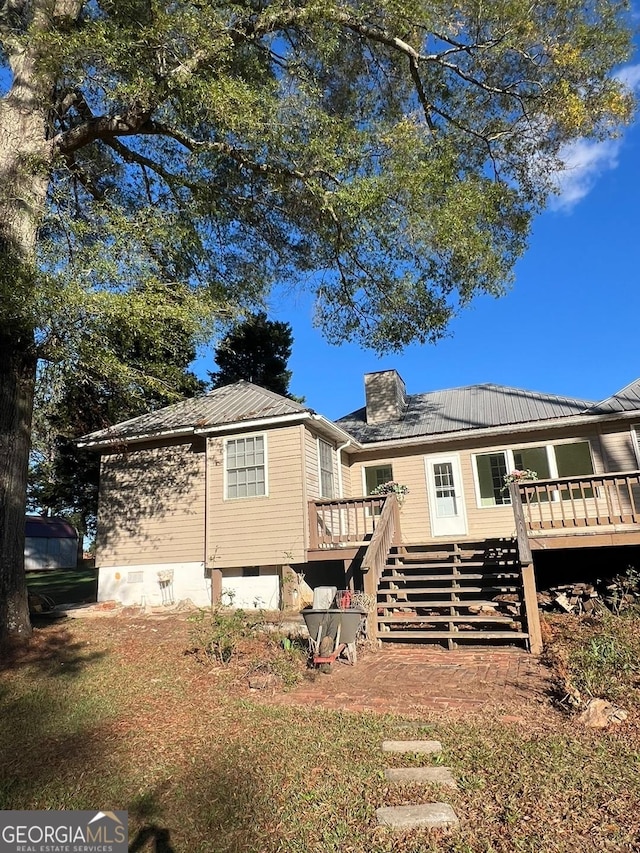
pixel 420 597
pixel 578 512
pixel 570 512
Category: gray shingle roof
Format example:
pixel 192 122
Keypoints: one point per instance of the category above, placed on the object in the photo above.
pixel 469 408
pixel 625 400
pixel 235 403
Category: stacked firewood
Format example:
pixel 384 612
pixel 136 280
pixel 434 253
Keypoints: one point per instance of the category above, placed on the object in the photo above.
pixel 614 594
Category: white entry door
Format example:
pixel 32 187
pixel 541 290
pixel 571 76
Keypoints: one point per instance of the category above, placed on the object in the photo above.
pixel 446 496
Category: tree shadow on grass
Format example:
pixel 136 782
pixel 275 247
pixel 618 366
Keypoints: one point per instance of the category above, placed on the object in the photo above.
pixel 51 649
pixel 217 806
pixel 48 731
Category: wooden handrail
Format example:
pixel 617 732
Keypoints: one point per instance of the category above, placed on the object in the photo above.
pixel 375 557
pixel 372 521
pixel 584 501
pixel 529 592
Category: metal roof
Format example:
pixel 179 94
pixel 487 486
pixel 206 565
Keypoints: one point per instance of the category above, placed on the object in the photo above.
pixel 48 527
pixel 469 408
pixel 474 407
pixel 625 400
pixel 241 401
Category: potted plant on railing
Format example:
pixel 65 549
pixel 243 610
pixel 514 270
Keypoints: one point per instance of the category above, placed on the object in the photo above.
pixel 392 488
pixel 517 475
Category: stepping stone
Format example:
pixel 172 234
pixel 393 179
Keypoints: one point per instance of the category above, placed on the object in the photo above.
pixel 425 747
pixel 432 815
pixel 404 775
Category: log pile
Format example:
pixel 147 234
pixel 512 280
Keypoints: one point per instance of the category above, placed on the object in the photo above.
pixel 614 594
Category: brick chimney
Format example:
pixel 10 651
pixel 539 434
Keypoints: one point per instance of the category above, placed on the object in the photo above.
pixel 385 396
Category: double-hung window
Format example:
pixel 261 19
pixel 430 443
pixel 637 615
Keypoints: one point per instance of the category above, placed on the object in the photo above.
pixel 245 467
pixel 375 476
pixel 325 463
pixel 548 461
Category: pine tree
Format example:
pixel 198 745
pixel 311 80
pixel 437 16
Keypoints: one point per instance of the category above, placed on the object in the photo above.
pixel 257 350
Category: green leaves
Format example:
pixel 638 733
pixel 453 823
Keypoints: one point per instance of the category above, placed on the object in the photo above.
pixel 399 151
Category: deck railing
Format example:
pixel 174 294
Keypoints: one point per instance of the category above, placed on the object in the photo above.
pixel 373 521
pixel 573 502
pixel 375 557
pixel 385 535
pixel 344 522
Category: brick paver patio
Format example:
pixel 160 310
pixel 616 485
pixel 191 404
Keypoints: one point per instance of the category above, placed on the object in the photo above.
pixel 409 680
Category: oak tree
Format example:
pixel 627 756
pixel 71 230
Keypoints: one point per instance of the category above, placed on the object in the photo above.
pixel 388 155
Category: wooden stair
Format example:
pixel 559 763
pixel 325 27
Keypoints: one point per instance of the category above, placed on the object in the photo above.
pixel 454 593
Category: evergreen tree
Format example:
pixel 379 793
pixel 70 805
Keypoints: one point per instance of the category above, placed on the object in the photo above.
pixel 257 350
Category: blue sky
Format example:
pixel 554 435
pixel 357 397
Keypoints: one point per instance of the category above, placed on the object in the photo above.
pixel 569 325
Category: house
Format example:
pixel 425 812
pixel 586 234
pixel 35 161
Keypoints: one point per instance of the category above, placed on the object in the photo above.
pixel 245 493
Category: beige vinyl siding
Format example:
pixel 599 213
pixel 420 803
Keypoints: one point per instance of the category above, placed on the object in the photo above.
pixel 151 507
pixel 263 530
pixel 312 474
pixel 482 522
pixel 408 468
pixel 617 449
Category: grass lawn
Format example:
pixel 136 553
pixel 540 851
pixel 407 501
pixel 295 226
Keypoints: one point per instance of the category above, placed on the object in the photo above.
pixel 65 586
pixel 113 713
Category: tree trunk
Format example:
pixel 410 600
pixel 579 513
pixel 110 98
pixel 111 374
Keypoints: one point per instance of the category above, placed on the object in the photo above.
pixel 26 156
pixel 17 382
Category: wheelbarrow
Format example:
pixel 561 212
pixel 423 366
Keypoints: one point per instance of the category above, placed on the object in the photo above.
pixel 332 632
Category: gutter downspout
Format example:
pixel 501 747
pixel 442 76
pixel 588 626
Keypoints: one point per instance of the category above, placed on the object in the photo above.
pixel 339 456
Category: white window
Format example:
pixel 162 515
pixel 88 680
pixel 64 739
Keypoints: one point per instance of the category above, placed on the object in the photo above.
pixel 375 476
pixel 325 464
pixel 635 439
pixel 551 460
pixel 245 467
pixel 491 469
pixel 444 489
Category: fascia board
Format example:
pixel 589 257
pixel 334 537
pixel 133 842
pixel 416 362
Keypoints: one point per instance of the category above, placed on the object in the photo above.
pixel 488 432
pixel 111 441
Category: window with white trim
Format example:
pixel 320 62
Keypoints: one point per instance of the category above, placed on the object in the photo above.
pixel 375 476
pixel 325 464
pixel 245 466
pixel 570 459
pixel 635 440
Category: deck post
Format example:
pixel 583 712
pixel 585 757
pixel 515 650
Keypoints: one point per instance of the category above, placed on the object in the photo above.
pixel 528 577
pixel 370 584
pixel 216 586
pixel 531 609
pixel 313 525
pixel 524 548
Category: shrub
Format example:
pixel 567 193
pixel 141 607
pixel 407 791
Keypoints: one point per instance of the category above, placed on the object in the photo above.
pixel 217 633
pixel 597 657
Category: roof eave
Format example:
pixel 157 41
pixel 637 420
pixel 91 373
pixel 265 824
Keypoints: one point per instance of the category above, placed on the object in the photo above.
pixel 332 429
pixel 113 440
pixel 253 423
pixel 527 426
pixel 214 429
